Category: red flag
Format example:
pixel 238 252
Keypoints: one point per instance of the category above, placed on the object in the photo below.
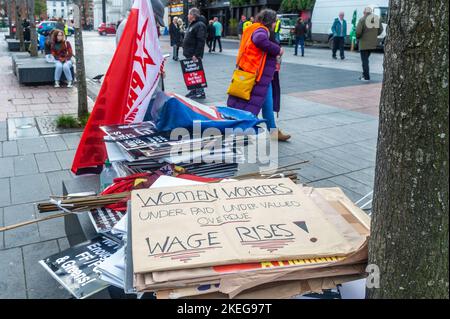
pixel 127 88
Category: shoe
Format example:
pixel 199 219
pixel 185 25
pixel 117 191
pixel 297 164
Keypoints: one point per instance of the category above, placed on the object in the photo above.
pixel 361 78
pixel 200 96
pixel 334 58
pixel 276 134
pixel 220 50
pixel 283 137
pixel 69 84
pixel 342 57
pixel 190 94
pixel 57 84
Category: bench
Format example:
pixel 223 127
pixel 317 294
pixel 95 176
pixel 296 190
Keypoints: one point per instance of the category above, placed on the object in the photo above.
pixel 15 57
pixel 14 45
pixel 35 70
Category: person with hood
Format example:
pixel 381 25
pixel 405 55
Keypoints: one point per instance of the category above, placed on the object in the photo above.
pixel 194 44
pixel 260 54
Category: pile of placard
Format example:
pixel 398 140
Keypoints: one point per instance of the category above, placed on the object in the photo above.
pixel 141 147
pixel 246 239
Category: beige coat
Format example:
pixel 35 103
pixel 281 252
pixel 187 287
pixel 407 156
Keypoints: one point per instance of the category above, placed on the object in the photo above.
pixel 367 33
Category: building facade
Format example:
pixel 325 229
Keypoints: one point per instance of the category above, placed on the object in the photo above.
pixel 57 9
pixel 116 10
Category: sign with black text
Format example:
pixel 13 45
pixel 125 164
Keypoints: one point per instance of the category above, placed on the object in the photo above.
pixel 193 74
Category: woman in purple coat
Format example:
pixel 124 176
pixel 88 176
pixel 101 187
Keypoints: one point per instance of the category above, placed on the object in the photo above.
pixel 265 95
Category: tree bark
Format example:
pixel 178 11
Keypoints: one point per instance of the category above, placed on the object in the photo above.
pixel 9 6
pixel 80 67
pixel 19 27
pixel 409 235
pixel 33 33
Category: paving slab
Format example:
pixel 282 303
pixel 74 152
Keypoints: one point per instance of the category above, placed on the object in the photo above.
pixel 30 188
pixel 5 194
pixel 12 274
pixel 6 167
pixel 47 162
pixel 55 143
pixel 25 165
pixel 65 158
pixel 10 148
pixel 32 145
pixel 40 284
pixel 22 235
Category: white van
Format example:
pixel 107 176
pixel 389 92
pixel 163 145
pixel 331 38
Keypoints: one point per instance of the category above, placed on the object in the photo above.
pixel 325 11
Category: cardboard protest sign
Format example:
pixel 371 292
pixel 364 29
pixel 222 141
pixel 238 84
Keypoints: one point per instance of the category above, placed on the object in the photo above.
pixel 226 223
pixel 193 74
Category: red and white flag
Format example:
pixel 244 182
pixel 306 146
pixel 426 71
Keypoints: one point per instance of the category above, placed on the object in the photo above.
pixel 128 86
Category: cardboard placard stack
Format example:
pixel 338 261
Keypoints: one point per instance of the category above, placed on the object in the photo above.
pixel 246 239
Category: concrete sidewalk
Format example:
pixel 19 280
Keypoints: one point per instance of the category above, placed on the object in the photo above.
pixel 339 140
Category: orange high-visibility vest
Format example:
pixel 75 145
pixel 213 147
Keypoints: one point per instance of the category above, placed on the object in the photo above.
pixel 251 58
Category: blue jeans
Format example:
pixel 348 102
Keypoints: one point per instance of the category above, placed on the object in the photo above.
pixel 300 41
pixel 267 109
pixel 60 67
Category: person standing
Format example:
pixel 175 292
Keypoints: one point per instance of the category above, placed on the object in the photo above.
pixel 210 35
pixel 241 26
pixel 300 31
pixel 194 44
pixel 277 31
pixel 62 52
pixel 367 31
pixel 219 29
pixel 339 30
pixel 248 23
pixel 175 37
pixel 260 56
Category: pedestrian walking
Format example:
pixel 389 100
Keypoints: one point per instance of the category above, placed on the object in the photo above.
pixel 219 29
pixel 367 31
pixel 339 30
pixel 210 35
pixel 259 55
pixel 241 26
pixel 62 52
pixel 300 32
pixel 175 37
pixel 194 44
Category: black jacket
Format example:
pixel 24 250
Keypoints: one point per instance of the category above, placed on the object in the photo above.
pixel 175 34
pixel 194 40
pixel 300 29
pixel 211 32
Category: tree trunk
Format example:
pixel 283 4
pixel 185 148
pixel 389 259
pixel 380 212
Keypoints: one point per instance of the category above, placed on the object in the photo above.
pixel 33 33
pixel 409 236
pixel 19 27
pixel 80 68
pixel 9 6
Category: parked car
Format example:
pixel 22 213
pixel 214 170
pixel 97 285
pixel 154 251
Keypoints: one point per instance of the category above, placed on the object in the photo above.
pixel 46 26
pixel 107 28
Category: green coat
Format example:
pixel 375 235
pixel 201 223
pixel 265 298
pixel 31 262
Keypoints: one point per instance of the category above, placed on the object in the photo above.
pixel 368 35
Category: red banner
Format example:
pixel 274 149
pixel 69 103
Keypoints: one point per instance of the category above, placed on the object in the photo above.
pixel 128 86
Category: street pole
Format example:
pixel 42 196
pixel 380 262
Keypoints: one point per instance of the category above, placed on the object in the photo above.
pixel 104 11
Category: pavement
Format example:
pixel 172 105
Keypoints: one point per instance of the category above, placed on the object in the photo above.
pixel 332 117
